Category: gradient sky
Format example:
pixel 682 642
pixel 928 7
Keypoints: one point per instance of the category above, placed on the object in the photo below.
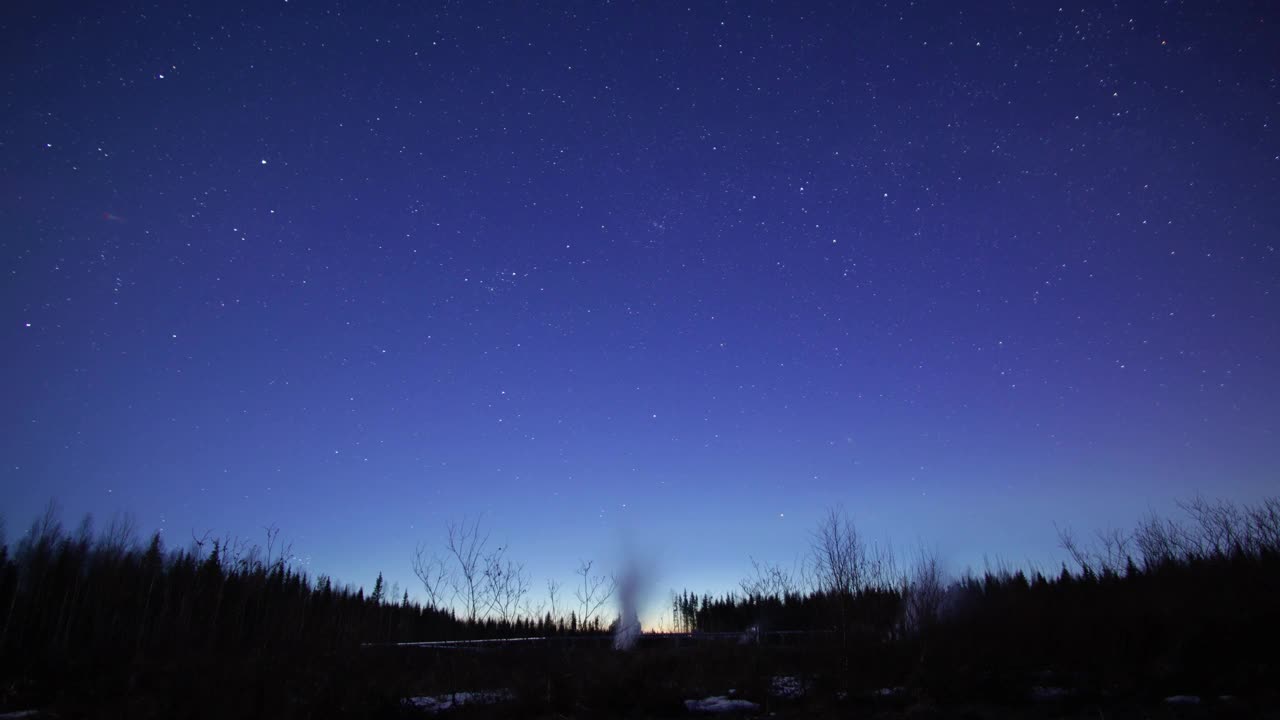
pixel 679 276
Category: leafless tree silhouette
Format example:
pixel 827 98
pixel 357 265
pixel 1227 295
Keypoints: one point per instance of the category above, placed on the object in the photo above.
pixel 433 573
pixel 769 580
pixel 594 592
pixel 923 592
pixel 838 556
pixel 553 592
pixel 466 543
pixel 506 584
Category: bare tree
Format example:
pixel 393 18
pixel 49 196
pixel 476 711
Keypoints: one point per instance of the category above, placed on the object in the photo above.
pixel 466 543
pixel 806 583
pixel 1114 550
pixel 198 543
pixel 1110 554
pixel 1067 541
pixel 594 592
pixel 483 580
pixel 84 533
pixel 1221 527
pixel 43 535
pixel 531 610
pixel 881 566
pixel 506 584
pixel 838 555
pixel 433 573
pixel 769 580
pixel 839 565
pixel 1159 540
pixel 553 592
pixel 923 592
pixel 1216 529
pixel 1264 526
pixel 273 536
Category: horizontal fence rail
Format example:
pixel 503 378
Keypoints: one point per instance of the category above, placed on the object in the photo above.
pixel 773 637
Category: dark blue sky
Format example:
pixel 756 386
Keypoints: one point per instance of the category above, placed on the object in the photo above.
pixel 682 273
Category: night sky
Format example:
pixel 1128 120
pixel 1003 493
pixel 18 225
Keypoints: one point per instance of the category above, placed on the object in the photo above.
pixel 673 276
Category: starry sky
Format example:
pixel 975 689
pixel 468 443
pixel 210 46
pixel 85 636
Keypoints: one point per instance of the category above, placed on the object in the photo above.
pixel 672 276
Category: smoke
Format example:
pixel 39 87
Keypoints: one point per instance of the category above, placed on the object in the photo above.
pixel 631 584
pixel 628 629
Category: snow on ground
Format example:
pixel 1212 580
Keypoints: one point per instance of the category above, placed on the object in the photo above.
pixel 892 692
pixel 719 704
pixel 1182 700
pixel 786 687
pixel 439 703
pixel 1046 693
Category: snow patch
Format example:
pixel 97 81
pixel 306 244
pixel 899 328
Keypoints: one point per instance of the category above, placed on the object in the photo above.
pixel 1048 693
pixel 786 687
pixel 719 704
pixel 439 703
pixel 893 692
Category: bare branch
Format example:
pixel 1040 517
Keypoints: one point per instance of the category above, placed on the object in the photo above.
pixel 506 584
pixel 553 591
pixel 594 592
pixel 1067 541
pixel 466 543
pixel 770 581
pixel 924 592
pixel 838 555
pixel 433 573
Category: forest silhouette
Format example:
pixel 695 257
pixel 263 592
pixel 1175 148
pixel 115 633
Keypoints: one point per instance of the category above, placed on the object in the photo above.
pixel 1183 606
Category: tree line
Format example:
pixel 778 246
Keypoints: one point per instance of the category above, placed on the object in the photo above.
pixel 1194 599
pixel 1188 601
pixel 85 592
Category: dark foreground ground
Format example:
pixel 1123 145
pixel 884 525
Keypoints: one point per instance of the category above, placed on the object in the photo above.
pixel 590 680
